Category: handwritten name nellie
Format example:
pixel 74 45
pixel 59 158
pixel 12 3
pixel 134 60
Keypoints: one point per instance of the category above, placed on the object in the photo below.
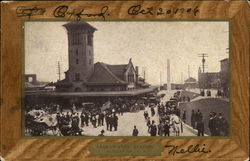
pixel 64 11
pixel 173 149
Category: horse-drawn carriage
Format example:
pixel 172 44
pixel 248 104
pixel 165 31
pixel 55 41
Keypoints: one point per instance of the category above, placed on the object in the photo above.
pixel 40 123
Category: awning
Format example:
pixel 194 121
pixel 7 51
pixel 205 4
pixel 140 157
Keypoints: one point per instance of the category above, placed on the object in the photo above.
pixel 92 93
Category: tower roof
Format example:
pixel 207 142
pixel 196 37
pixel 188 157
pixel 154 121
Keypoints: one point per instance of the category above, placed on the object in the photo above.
pixel 79 24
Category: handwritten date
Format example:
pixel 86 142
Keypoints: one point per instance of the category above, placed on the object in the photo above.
pixel 139 10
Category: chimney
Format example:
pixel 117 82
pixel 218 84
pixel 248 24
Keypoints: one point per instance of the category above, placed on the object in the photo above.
pixel 137 73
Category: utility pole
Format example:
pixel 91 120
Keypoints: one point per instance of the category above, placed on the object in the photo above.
pixel 59 70
pixel 203 60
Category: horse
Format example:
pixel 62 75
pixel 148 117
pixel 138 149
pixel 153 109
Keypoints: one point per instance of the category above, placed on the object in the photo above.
pixel 176 124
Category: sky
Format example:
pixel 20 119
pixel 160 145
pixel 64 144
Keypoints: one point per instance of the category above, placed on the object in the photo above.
pixel 148 43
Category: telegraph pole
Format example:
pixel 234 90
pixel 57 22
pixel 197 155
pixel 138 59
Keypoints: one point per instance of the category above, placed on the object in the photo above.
pixel 203 60
pixel 188 72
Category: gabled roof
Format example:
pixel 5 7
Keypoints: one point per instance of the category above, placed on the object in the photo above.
pixel 106 74
pixel 118 70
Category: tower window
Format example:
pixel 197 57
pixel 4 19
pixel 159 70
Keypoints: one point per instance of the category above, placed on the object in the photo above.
pixel 77 61
pixel 89 39
pixel 76 52
pixel 89 61
pixel 77 76
pixel 76 39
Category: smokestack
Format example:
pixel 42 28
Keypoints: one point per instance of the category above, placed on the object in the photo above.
pixel 137 70
pixel 137 73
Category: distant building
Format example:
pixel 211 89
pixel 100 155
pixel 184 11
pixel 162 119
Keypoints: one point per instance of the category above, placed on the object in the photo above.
pixel 191 83
pixel 224 75
pixel 174 86
pixel 215 79
pixel 209 80
pixel 85 75
pixel 31 83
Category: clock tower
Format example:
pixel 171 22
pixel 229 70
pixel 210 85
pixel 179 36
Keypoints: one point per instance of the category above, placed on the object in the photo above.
pixel 80 54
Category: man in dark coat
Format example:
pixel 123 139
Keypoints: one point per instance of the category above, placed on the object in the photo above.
pixel 94 120
pixel 82 119
pixel 87 119
pixel 200 128
pixel 107 118
pixel 193 119
pixel 153 129
pixel 111 122
pixel 184 116
pixel 166 128
pixel 198 116
pixel 75 122
pixel 115 122
pixel 213 124
pixel 101 118
pixel 222 125
pixel 152 111
pixel 135 131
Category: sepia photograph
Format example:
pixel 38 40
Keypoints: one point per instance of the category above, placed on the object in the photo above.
pixel 126 78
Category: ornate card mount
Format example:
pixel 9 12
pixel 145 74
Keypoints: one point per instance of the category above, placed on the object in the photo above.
pixel 23 39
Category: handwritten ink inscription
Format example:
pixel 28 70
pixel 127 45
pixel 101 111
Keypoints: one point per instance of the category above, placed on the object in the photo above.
pixel 190 149
pixel 139 10
pixel 24 11
pixel 64 11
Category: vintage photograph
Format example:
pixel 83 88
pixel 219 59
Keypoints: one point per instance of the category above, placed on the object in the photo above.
pixel 126 78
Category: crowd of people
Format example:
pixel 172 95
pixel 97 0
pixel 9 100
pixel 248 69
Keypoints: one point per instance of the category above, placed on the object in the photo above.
pixel 217 123
pixel 164 111
pixel 73 120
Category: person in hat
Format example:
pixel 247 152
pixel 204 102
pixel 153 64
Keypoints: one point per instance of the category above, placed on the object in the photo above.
pixel 102 133
pixel 153 129
pixel 200 128
pixel 135 131
pixel 166 128
pixel 222 125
